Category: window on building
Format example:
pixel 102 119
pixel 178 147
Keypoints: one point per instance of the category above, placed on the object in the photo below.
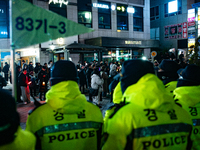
pixel 122 17
pixel 138 19
pixel 154 13
pixel 85 13
pixel 61 10
pixel 4 19
pixel 173 8
pixel 155 33
pixel 104 16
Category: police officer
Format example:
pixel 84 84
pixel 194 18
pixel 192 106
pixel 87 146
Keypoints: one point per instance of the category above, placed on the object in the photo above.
pixel 149 119
pixel 187 95
pixel 168 74
pixel 117 100
pixel 12 137
pixel 67 120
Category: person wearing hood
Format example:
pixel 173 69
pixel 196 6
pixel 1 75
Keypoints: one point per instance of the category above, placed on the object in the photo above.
pixel 67 120
pixel 113 71
pixel 96 84
pixel 187 95
pixel 12 137
pixel 118 102
pixel 149 119
pixel 168 74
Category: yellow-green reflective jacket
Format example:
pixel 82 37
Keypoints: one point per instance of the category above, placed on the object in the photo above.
pixel 117 94
pixel 67 120
pixel 150 120
pixel 117 98
pixel 24 140
pixel 188 97
pixel 171 86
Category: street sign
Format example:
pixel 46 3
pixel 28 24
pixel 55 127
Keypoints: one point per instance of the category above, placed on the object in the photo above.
pixel 33 25
pixel 153 54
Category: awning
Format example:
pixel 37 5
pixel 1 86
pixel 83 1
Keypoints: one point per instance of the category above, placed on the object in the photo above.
pixel 80 46
pixel 113 42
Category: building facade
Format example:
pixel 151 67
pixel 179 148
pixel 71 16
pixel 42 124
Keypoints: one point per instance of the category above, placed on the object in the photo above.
pixel 170 24
pixel 122 28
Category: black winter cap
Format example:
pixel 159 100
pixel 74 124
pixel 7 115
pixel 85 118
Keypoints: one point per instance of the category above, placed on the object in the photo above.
pixel 190 76
pixel 63 70
pixel 169 66
pixel 9 117
pixel 133 70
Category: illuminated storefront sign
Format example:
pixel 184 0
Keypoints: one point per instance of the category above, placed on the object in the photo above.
pixel 198 22
pixel 191 42
pixel 133 42
pixel 130 10
pixel 119 8
pixel 191 15
pixel 59 2
pixel 123 9
pixel 176 31
pixel 100 5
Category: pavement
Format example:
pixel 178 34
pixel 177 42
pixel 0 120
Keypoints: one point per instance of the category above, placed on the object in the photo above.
pixel 24 109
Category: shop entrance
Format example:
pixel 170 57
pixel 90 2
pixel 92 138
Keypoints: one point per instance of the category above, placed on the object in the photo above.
pixel 26 59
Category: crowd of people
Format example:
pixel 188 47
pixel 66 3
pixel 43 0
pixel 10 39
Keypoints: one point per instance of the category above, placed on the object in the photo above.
pixel 28 80
pixel 155 106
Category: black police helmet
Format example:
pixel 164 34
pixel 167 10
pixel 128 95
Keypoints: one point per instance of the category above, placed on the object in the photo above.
pixel 9 118
pixel 133 70
pixel 63 70
pixel 190 76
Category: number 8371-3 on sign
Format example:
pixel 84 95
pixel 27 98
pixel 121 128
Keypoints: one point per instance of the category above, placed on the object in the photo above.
pixel 29 24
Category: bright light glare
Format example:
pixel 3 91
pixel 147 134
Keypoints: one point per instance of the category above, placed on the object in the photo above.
pixel 130 10
pixel 144 58
pixel 52 47
pixel 113 7
pixel 87 15
pixel 172 6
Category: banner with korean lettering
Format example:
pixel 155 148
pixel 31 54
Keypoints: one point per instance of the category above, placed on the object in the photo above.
pixel 185 34
pixel 176 31
pixel 32 25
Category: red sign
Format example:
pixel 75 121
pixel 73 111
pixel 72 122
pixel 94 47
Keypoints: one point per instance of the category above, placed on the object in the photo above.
pixel 173 30
pixel 166 31
pixel 191 23
pixel 185 30
pixel 185 25
pixel 179 29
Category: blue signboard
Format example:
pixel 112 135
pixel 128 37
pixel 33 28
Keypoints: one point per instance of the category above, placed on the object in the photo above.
pixel 196 5
pixel 191 36
pixel 4 54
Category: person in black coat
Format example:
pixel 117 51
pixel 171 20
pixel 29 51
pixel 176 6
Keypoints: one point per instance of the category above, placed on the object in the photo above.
pixel 88 75
pixel 18 70
pixel 43 80
pixel 5 70
pixel 30 67
pixel 32 85
pixel 37 68
pixel 82 79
